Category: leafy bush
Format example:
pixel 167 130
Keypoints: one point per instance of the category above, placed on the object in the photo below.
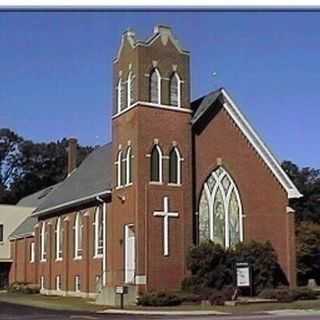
pixel 213 267
pixel 159 299
pixel 190 298
pixel 219 297
pixel 308 252
pixel 24 287
pixel 288 295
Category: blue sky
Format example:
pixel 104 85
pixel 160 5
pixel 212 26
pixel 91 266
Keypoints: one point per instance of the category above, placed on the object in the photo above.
pixel 56 69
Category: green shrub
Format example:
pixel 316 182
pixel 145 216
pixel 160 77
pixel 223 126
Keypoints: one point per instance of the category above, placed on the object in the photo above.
pixel 219 297
pixel 288 295
pixel 160 299
pixel 213 267
pixel 24 287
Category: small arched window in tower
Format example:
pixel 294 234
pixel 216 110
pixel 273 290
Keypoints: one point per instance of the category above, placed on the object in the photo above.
pixel 121 95
pixel 156 164
pixel 129 165
pixel 131 89
pixel 175 166
pixel 123 168
pixel 118 169
pixel 175 90
pixel 155 86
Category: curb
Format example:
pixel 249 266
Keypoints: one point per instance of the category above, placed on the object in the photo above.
pixel 164 313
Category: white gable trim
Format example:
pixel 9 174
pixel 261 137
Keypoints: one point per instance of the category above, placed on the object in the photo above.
pixel 260 147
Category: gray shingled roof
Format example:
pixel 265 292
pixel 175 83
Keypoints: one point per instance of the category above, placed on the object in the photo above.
pixel 32 201
pixel 94 176
pixel 202 104
pixel 35 199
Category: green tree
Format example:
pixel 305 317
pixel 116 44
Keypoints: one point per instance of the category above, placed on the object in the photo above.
pixel 26 166
pixel 307 181
pixel 308 252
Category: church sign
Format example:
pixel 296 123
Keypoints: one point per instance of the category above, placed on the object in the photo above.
pixel 243 275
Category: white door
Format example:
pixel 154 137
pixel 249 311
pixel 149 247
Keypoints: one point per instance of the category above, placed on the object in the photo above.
pixel 130 263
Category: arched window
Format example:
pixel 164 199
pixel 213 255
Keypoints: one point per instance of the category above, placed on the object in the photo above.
pixel 131 89
pixel 156 164
pixel 98 231
pixel 175 90
pixel 118 169
pixel 43 242
pixel 59 239
pixel 220 210
pixel 78 233
pixel 121 95
pixel 123 168
pixel 155 86
pixel 174 166
pixel 129 165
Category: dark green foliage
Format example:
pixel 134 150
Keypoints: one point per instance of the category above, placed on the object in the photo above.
pixel 24 287
pixel 159 299
pixel 308 252
pixel 27 167
pixel 213 267
pixel 219 297
pixel 307 180
pixel 288 295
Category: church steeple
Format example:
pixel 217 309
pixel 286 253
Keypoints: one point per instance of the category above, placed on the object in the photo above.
pixel 155 71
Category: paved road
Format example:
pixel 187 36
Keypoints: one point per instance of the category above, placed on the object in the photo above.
pixel 18 312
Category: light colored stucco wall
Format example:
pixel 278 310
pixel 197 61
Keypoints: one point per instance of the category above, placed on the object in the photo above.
pixel 11 217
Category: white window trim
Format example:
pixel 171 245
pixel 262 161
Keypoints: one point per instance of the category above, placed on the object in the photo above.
pixel 179 164
pixel 99 210
pixel 77 284
pixel 42 283
pixel 119 89
pixel 130 77
pixel 58 249
pixel 58 280
pixel 77 227
pixel 128 159
pixel 160 181
pixel 43 251
pixel 156 70
pixel 32 252
pixel 119 169
pixel 178 89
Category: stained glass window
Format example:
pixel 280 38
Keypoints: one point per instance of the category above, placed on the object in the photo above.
pixel 175 90
pixel 220 210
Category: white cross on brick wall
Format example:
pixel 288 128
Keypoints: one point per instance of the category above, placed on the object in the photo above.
pixel 166 214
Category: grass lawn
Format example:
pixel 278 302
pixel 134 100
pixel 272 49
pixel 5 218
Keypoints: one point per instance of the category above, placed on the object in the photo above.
pixel 80 304
pixel 51 302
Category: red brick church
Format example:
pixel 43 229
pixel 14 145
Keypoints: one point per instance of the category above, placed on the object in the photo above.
pixel 176 172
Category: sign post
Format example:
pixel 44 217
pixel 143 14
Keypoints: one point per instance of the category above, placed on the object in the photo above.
pixel 121 290
pixel 244 276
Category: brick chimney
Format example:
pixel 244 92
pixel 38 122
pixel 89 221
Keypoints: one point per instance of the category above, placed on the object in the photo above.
pixel 72 154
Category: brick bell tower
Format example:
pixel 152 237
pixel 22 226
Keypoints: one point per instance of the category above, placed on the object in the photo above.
pixel 150 219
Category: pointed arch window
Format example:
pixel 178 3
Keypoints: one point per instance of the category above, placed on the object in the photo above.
pixel 155 86
pixel 175 166
pixel 118 169
pixel 78 234
pixel 59 238
pixel 156 164
pixel 121 95
pixel 175 90
pixel 130 89
pixel 43 242
pixel 98 231
pixel 220 210
pixel 129 165
pixel 123 172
